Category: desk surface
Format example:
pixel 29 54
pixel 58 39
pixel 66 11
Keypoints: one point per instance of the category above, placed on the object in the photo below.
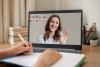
pixel 92 54
pixel 67 60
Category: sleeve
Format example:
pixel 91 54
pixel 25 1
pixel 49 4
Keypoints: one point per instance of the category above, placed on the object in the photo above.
pixel 40 39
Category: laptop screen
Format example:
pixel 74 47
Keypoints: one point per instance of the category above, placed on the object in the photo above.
pixel 57 28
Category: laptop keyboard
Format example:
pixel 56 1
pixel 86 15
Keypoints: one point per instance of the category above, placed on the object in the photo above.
pixel 60 50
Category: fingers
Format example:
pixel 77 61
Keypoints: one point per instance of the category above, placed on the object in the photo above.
pixel 65 32
pixel 29 49
pixel 57 55
pixel 51 56
pixel 53 53
pixel 28 52
pixel 22 45
pixel 30 44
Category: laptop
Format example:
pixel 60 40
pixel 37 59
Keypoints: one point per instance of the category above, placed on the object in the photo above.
pixel 70 23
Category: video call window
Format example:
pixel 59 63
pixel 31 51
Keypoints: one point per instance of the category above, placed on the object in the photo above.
pixel 55 27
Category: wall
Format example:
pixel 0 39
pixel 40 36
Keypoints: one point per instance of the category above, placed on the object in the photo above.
pixel 30 6
pixel 70 4
pixel 13 13
pixel 91 10
pixel 6 20
pixel 46 4
pixel 1 24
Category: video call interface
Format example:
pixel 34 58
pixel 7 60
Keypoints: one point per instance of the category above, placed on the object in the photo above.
pixel 55 28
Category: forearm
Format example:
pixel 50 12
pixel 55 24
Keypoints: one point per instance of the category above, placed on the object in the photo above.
pixel 41 64
pixel 63 41
pixel 7 52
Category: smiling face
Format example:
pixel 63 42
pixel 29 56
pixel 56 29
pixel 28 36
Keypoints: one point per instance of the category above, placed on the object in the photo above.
pixel 54 24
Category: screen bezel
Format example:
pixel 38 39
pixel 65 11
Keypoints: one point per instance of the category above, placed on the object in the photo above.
pixel 68 46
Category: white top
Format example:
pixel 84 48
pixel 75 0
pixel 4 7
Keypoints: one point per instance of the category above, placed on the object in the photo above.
pixel 50 40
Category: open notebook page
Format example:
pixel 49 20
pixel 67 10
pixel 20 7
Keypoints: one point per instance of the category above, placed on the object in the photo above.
pixel 67 60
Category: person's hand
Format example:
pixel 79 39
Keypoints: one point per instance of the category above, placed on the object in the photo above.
pixel 21 48
pixel 63 37
pixel 48 58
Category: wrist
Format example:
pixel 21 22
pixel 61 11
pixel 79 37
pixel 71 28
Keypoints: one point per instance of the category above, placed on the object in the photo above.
pixel 41 64
pixel 14 51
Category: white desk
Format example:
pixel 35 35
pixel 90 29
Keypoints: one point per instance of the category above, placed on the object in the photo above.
pixel 67 60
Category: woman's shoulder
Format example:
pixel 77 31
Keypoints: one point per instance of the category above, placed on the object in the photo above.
pixel 41 36
pixel 41 39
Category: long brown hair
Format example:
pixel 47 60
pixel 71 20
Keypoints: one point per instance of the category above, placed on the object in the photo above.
pixel 56 36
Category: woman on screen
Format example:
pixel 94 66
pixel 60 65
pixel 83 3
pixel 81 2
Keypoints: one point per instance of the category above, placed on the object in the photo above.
pixel 53 32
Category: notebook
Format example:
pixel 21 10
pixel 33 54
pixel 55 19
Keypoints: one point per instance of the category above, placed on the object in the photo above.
pixel 67 60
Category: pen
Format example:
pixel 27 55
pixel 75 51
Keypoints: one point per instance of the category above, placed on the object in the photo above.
pixel 31 52
pixel 22 39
